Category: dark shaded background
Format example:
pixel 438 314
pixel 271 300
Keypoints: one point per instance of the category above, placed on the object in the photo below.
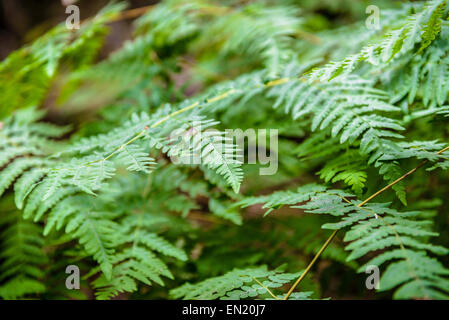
pixel 21 21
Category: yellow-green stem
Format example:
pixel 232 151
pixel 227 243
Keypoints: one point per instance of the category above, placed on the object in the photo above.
pixel 332 236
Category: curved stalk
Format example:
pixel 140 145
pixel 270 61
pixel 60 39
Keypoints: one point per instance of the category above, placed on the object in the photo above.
pixel 332 236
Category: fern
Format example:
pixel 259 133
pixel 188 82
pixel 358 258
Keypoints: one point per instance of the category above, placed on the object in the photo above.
pixel 120 162
pixel 39 62
pixel 238 284
pixel 375 227
pixel 22 257
pixel 396 43
pixel 137 261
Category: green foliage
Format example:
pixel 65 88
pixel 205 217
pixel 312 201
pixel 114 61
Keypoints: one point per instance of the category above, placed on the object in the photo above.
pixel 22 256
pixel 144 190
pixel 374 227
pixel 26 74
pixel 239 284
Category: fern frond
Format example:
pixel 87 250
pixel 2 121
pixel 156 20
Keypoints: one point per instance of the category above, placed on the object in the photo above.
pixel 137 262
pixel 135 158
pixel 421 27
pixel 374 227
pixel 237 284
pixel 22 257
pixel 93 229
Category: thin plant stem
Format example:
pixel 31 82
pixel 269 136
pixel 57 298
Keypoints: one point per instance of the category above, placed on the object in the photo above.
pixel 219 97
pixel 266 288
pixel 328 241
pixel 332 236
